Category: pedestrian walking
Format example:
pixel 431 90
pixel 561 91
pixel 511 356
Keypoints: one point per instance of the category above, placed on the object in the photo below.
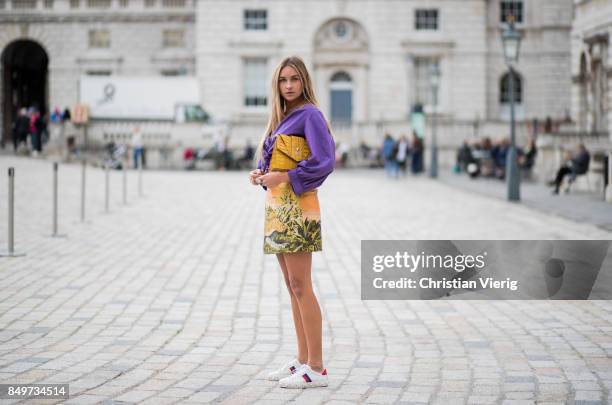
pixel 37 130
pixel 402 154
pixel 296 154
pixel 21 126
pixel 137 147
pixel 416 163
pixel 388 149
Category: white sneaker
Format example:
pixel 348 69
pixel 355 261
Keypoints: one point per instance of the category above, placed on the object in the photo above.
pixel 305 377
pixel 285 371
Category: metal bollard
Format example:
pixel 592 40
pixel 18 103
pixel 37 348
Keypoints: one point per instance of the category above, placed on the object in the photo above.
pixel 55 234
pixel 106 188
pixel 11 217
pixel 608 191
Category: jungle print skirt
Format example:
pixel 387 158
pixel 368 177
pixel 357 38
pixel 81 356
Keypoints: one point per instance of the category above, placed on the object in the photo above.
pixel 292 223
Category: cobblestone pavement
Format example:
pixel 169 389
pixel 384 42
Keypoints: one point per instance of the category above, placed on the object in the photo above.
pixel 580 206
pixel 170 300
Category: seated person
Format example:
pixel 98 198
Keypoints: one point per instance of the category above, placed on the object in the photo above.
pixel 574 165
pixel 500 154
pixel 464 157
pixel 526 158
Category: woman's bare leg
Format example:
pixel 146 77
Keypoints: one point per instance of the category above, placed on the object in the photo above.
pixel 299 270
pixel 302 355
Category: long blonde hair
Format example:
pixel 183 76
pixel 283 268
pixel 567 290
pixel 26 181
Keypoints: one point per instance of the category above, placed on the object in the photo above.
pixel 278 107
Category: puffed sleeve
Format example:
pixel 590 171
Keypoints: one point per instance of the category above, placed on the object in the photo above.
pixel 310 173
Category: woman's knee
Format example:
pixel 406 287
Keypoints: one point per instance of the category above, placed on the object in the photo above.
pixel 288 285
pixel 297 287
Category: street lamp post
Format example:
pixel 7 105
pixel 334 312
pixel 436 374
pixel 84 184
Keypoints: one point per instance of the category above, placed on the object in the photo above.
pixel 434 81
pixel 511 39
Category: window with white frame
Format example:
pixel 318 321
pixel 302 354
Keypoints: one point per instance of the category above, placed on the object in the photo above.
pixel 512 8
pixel 75 3
pixel 173 38
pixel 124 3
pixel 149 3
pixel 98 73
pixel 426 19
pixel 422 86
pixel 174 3
pixel 256 20
pixel 98 3
pixel 48 3
pixel 24 4
pixel 255 89
pixel 174 72
pixel 99 39
pixel 504 88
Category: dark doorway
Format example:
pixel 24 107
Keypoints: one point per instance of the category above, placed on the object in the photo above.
pixel 24 82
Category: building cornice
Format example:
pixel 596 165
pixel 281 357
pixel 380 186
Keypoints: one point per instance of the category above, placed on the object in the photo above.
pixel 269 44
pixel 96 18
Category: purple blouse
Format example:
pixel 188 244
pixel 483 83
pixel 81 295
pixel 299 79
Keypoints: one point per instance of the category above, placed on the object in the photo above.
pixel 310 173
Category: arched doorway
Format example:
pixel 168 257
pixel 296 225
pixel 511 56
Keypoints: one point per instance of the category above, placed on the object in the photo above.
pixel 24 81
pixel 341 63
pixel 341 97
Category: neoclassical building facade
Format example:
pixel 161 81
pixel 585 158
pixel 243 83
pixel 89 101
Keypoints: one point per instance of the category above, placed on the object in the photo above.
pixel 370 59
pixel 592 66
pixel 47 45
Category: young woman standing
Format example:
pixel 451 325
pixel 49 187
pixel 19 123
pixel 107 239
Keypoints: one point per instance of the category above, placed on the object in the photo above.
pixel 293 222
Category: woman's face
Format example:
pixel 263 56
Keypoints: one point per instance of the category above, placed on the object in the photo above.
pixel 289 84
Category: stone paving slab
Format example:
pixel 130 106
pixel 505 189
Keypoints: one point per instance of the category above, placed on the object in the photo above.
pixel 170 300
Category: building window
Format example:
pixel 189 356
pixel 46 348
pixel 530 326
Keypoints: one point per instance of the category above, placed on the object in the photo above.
pixel 173 38
pixel 341 77
pixel 99 39
pixel 149 3
pixel 426 19
pixel 75 4
pixel 24 4
pixel 255 19
pixel 422 90
pixel 98 3
pixel 341 97
pixel 98 73
pixel 341 29
pixel 255 72
pixel 124 3
pixel 48 3
pixel 174 72
pixel 174 3
pixel 512 8
pixel 504 89
pixel 2 4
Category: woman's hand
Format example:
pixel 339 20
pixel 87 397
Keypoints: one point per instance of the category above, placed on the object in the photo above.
pixel 273 179
pixel 254 176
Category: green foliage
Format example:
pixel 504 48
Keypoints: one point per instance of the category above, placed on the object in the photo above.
pixel 300 234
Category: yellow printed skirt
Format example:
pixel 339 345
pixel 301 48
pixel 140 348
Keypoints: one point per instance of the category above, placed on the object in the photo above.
pixel 293 223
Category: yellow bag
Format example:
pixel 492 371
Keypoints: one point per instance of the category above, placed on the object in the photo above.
pixel 288 151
